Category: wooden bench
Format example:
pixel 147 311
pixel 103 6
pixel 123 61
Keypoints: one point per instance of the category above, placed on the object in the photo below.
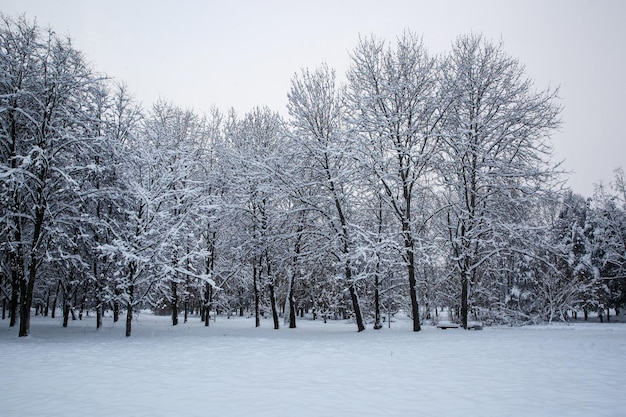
pixel 443 325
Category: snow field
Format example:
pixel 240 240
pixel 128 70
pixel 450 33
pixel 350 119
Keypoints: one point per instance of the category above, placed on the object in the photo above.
pixel 233 369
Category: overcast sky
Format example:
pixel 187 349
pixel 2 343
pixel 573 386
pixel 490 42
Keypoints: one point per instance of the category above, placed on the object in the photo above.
pixel 243 54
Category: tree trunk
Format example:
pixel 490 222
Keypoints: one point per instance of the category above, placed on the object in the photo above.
pixel 293 312
pixel 273 305
pixel 116 311
pixel 99 306
pixel 47 306
pixel 129 310
pixel 357 309
pixel 99 314
pixel 66 311
pixel 286 306
pixel 257 318
pixel 377 322
pixel 25 303
pixel 208 296
pixel 27 288
pixel 15 297
pixel 464 291
pixel 292 303
pixel 186 309
pixel 26 299
pixel 56 298
pixel 415 312
pixel 355 300
pixel 174 303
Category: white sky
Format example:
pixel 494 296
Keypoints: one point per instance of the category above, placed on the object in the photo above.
pixel 243 54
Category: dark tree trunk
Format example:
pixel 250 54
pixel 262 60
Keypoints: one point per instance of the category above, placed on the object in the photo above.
pixel 292 283
pixel 355 300
pixel 415 312
pixel 47 307
pixel 186 309
pixel 377 322
pixel 74 302
pixel 272 295
pixel 257 317
pixel 26 299
pixel 25 303
pixel 210 263
pixel 464 291
pixel 15 298
pixel 273 305
pixel 208 296
pixel 291 297
pixel 116 306
pixel 54 302
pixel 292 303
pixel 66 302
pixel 99 308
pixel 116 311
pixel 66 312
pixel 129 310
pixel 27 288
pixel 174 303
pixel 357 309
pixel 409 250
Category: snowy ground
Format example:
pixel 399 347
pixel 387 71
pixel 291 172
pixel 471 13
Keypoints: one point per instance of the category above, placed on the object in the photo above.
pixel 233 369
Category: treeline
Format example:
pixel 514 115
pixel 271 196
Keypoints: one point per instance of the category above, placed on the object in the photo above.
pixel 421 184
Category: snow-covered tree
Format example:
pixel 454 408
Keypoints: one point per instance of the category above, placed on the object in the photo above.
pixel 48 128
pixel 316 120
pixel 496 155
pixel 252 161
pixel 571 281
pixel 609 245
pixel 179 136
pixel 155 243
pixel 393 109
